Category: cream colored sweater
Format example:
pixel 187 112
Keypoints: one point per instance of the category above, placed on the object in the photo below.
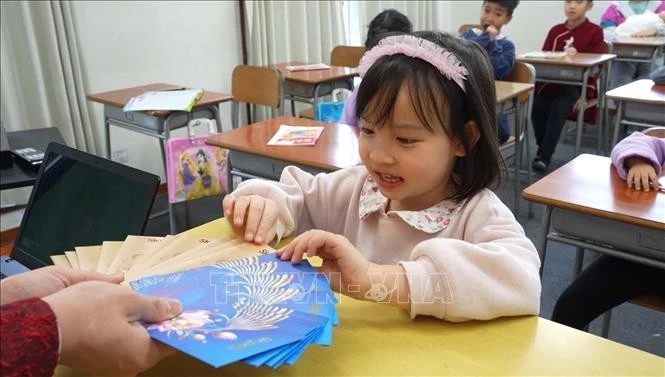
pixel 481 266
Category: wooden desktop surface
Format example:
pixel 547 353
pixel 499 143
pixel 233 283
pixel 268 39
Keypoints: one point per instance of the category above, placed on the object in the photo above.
pixel 118 98
pixel 506 90
pixel 337 147
pixel 640 91
pixel 379 340
pixel 591 185
pixel 317 76
pixel 655 41
pixel 577 60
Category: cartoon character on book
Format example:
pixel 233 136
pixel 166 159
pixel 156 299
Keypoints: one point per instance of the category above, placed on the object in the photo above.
pixel 187 171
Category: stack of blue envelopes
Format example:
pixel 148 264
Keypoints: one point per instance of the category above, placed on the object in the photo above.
pixel 260 310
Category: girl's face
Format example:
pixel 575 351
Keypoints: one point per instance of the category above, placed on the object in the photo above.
pixel 411 165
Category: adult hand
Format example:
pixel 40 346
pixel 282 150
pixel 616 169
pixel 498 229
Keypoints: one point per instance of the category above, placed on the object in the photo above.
pixel 642 176
pixel 46 281
pixel 100 329
pixel 347 269
pixel 252 217
pixel 492 32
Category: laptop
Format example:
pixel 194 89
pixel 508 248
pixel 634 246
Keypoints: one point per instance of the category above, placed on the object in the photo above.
pixel 79 199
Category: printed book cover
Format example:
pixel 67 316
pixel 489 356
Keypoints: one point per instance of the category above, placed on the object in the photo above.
pixel 261 310
pixel 296 135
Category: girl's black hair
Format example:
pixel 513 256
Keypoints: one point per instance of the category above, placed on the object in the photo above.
pixel 390 20
pixel 440 103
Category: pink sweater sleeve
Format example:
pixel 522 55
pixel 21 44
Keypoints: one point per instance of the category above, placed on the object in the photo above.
pixel 638 144
pixel 489 270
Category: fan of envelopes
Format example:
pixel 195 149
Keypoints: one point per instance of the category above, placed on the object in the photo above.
pixel 240 302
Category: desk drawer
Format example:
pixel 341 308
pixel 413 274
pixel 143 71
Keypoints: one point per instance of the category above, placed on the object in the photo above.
pixel 301 90
pixel 263 166
pixel 558 72
pixel 143 120
pixel 642 241
pixel 644 112
pixel 633 52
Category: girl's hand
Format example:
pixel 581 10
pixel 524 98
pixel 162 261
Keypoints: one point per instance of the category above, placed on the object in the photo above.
pixel 642 176
pixel 252 217
pixel 46 281
pixel 346 269
pixel 100 330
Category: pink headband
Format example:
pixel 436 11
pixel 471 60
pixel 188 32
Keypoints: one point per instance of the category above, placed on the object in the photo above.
pixel 445 61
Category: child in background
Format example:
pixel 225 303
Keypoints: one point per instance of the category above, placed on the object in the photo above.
pixel 416 225
pixel 553 102
pixel 610 281
pixel 390 20
pixel 494 14
pixel 626 72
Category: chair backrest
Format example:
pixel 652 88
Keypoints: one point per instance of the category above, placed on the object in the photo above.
pixel 256 86
pixel 466 27
pixel 524 73
pixel 655 131
pixel 346 56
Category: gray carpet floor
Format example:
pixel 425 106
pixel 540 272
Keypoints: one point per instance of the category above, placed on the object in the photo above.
pixel 632 325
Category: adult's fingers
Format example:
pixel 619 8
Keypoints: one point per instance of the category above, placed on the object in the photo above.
pixel 152 309
pixel 70 276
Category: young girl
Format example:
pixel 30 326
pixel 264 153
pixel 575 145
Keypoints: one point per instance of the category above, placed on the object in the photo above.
pixel 626 72
pixel 610 281
pixel 416 226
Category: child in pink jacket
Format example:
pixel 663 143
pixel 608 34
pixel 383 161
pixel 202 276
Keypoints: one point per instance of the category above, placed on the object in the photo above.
pixel 416 226
pixel 610 281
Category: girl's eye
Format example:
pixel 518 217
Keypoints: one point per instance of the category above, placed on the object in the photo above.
pixel 367 131
pixel 406 140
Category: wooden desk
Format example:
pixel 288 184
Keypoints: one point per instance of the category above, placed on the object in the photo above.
pixel 251 157
pixel 588 204
pixel 640 103
pixel 308 86
pixel 157 124
pixel 640 50
pixel 509 93
pixel 576 70
pixel 379 340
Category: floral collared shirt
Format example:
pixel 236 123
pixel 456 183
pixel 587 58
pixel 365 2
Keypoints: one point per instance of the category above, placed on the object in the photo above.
pixel 431 220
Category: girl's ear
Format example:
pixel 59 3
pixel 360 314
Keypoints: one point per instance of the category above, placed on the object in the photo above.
pixel 471 134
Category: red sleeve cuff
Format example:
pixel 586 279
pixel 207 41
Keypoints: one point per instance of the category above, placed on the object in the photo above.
pixel 29 338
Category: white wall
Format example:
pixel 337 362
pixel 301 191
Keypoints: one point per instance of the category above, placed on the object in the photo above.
pixel 531 21
pixel 131 43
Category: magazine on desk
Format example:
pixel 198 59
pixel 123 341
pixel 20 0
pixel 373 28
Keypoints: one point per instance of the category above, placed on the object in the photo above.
pixel 169 99
pixel 240 302
pixel 546 54
pixel 296 135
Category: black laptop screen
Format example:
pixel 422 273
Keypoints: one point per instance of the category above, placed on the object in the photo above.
pixel 81 200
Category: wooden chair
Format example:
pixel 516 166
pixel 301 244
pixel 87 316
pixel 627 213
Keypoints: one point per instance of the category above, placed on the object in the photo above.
pixel 522 73
pixel 256 86
pixel 343 56
pixel 466 27
pixel 347 56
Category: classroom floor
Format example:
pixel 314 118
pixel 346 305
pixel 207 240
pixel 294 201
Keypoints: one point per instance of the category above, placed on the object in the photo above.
pixel 631 325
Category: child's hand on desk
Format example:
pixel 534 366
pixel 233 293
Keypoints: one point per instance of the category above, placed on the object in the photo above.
pixel 641 174
pixel 100 328
pixel 252 217
pixel 347 270
pixel 46 281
